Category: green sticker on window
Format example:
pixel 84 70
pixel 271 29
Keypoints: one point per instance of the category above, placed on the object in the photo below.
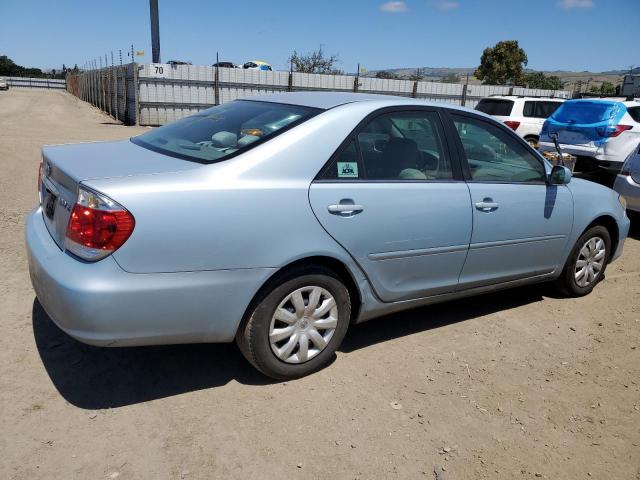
pixel 347 170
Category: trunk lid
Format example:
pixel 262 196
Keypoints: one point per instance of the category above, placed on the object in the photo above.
pixel 66 166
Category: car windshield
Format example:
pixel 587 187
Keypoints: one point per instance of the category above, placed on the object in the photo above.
pixel 223 131
pixel 583 112
pixel 501 108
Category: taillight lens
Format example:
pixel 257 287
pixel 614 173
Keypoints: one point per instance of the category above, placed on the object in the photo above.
pixel 512 125
pixel 98 226
pixel 612 131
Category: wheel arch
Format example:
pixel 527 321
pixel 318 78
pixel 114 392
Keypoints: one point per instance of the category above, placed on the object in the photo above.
pixel 610 223
pixel 337 266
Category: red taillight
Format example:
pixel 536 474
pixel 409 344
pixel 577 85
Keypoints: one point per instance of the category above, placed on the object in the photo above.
pixel 619 129
pixel 612 131
pixel 102 230
pixel 512 125
pixel 97 226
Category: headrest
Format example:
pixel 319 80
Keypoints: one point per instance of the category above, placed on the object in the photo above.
pixel 224 139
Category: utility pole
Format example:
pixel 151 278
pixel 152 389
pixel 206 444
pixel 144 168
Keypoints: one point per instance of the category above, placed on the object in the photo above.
pixel 155 31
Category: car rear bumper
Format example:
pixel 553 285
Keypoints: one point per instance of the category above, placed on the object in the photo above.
pixel 603 157
pixel 630 190
pixel 101 304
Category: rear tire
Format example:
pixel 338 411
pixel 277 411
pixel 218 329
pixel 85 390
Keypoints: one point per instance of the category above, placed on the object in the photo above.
pixel 533 141
pixel 587 262
pixel 294 328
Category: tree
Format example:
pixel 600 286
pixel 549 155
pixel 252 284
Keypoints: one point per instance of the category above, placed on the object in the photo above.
pixel 387 74
pixel 8 67
pixel 315 62
pixel 418 74
pixel 607 88
pixel 540 80
pixel 451 78
pixel 502 64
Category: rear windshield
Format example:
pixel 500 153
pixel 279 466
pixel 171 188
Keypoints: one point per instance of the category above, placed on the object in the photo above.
pixel 501 108
pixel 220 132
pixel 585 112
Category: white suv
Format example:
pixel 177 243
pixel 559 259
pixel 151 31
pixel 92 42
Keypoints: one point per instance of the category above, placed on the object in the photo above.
pixel 525 115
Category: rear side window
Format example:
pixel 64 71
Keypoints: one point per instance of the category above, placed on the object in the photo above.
pixel 494 106
pixel 406 145
pixel 539 109
pixel 635 113
pixel 220 132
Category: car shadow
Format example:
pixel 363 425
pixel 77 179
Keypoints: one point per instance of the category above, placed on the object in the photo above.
pixel 439 315
pixel 634 231
pixel 96 378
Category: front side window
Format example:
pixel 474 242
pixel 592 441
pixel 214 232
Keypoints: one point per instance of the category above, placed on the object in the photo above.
pixel 405 145
pixel 220 132
pixel 493 156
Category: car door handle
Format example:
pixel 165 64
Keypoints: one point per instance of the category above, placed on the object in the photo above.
pixel 345 209
pixel 487 205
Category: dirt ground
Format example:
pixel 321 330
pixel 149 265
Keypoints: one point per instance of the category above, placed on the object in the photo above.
pixel 519 384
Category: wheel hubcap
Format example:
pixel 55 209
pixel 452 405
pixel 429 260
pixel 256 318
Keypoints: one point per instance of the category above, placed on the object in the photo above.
pixel 590 261
pixel 303 324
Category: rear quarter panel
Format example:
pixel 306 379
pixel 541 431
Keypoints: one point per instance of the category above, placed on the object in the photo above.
pixel 251 211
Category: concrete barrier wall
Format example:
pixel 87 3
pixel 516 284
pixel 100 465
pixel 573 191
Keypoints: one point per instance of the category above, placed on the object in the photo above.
pixel 157 94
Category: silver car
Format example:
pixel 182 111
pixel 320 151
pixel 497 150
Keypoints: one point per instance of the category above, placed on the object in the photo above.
pixel 280 220
pixel 627 181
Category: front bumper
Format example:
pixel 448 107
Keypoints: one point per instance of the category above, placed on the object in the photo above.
pixel 101 304
pixel 623 232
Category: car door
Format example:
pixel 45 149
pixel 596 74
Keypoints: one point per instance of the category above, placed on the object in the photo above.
pixel 520 223
pixel 394 199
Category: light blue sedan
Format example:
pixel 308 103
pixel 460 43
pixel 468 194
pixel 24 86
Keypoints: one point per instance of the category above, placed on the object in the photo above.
pixel 280 220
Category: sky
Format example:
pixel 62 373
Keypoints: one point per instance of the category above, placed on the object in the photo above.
pixel 577 35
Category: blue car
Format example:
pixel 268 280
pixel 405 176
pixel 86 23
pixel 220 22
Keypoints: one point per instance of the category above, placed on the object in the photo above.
pixel 600 132
pixel 280 220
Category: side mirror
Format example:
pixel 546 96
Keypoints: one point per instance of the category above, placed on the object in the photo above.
pixel 559 175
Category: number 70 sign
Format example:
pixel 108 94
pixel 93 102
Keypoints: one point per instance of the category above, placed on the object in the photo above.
pixel 159 70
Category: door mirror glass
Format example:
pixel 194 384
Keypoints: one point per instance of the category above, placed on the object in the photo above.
pixel 559 175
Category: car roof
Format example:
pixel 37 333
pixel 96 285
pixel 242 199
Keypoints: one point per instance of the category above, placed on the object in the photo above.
pixel 327 100
pixel 524 97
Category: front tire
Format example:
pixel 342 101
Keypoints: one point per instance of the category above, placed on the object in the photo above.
pixel 295 327
pixel 587 262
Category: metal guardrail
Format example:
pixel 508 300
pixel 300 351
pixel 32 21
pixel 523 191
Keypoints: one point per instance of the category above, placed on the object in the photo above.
pixel 27 82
